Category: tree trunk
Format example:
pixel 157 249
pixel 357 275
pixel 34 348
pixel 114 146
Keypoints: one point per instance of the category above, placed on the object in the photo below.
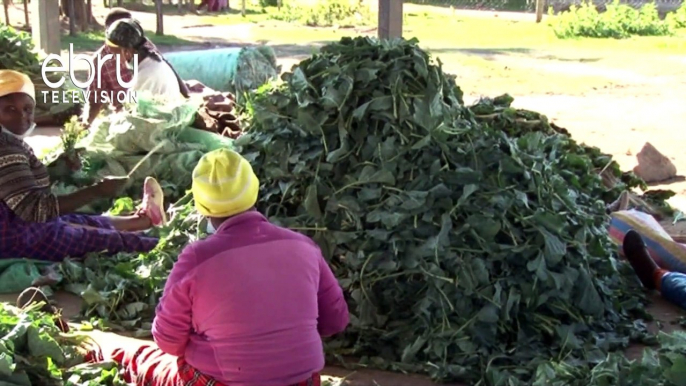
pixel 27 20
pixel 71 11
pixel 540 4
pixel 6 4
pixel 120 3
pixel 83 13
pixel 160 16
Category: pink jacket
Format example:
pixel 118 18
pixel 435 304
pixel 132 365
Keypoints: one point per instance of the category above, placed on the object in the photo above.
pixel 249 304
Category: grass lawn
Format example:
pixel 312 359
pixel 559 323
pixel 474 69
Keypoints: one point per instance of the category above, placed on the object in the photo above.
pixel 484 45
pixel 438 27
pixel 479 47
pixel 93 40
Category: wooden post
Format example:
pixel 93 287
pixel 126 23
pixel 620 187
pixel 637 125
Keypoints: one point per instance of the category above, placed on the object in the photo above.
pixel 390 19
pixel 540 4
pixel 160 17
pixel 84 16
pixel 45 26
pixel 89 12
pixel 26 13
pixel 71 11
pixel 6 5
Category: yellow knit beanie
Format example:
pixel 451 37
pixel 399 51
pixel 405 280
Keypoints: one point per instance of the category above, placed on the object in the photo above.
pixel 224 184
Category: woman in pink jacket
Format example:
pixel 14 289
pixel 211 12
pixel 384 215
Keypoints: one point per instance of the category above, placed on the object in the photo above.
pixel 248 305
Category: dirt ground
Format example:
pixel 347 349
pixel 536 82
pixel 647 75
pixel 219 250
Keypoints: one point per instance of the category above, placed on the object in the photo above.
pixel 666 319
pixel 637 99
pixel 640 103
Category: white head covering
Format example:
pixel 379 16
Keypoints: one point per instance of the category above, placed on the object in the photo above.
pixel 12 82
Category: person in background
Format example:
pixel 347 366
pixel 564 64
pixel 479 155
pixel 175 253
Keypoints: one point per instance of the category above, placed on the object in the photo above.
pixel 115 14
pixel 35 223
pixel 247 305
pixel 109 69
pixel 212 5
pixel 108 74
pixel 672 285
pixel 155 75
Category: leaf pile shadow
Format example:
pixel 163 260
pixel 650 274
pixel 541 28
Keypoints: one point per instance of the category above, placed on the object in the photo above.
pixel 471 249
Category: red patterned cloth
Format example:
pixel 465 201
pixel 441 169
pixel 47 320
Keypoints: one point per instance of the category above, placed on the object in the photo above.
pixel 149 366
pixel 108 75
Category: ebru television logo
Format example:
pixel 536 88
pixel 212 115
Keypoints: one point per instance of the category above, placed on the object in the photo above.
pixel 100 96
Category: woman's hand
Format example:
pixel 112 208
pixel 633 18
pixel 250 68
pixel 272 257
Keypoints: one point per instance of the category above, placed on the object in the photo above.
pixel 111 186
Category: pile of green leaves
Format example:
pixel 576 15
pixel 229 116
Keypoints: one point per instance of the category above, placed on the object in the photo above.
pixel 618 21
pixel 326 13
pixel 19 52
pixel 499 114
pixel 467 251
pixel 33 351
pixel 665 366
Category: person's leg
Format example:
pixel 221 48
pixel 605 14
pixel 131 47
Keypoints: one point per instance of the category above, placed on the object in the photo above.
pixel 151 214
pixel 149 366
pixel 672 286
pixel 636 252
pixel 133 223
pixel 56 240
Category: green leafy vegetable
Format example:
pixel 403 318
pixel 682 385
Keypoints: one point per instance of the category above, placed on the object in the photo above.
pixel 471 242
pixel 33 351
pixel 472 248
